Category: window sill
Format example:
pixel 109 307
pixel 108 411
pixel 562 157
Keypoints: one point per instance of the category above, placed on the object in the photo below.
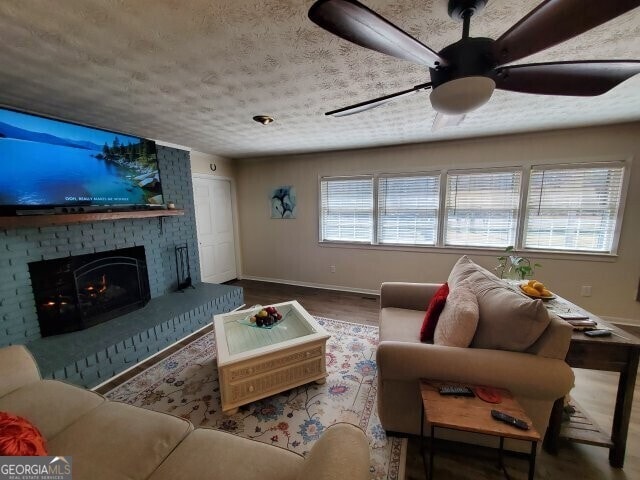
pixel 487 252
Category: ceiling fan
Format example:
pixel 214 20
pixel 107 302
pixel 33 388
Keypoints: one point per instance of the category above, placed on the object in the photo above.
pixel 465 73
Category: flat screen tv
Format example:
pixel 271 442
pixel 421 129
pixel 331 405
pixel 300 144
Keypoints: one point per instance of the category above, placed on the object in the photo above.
pixel 46 163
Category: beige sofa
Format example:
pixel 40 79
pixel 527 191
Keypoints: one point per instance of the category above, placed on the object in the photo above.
pixel 536 377
pixel 114 441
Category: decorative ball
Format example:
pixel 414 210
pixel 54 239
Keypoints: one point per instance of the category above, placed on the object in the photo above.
pixel 19 437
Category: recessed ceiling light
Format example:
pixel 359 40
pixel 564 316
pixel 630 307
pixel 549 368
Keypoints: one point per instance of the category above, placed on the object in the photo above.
pixel 263 119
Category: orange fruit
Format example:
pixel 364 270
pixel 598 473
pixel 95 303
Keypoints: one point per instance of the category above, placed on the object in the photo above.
pixel 539 286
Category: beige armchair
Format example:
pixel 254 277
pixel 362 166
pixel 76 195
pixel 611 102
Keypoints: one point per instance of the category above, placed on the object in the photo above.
pixel 536 377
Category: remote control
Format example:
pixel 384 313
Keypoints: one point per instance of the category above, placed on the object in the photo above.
pixel 456 390
pixel 600 332
pixel 508 419
pixel 573 316
pixel 583 323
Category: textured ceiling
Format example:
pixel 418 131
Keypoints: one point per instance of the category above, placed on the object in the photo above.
pixel 195 72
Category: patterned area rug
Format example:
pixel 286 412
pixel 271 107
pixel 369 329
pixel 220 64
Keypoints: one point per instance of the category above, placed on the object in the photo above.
pixel 186 384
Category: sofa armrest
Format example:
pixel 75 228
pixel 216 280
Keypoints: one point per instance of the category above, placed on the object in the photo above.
pixel 341 452
pixel 554 341
pixel 17 368
pixel 522 373
pixel 413 296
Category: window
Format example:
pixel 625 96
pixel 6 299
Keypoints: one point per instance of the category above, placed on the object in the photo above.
pixel 346 209
pixel 408 209
pixel 573 207
pixel 561 208
pixel 481 208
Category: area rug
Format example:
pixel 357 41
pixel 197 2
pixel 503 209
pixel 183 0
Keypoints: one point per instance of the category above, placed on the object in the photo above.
pixel 186 384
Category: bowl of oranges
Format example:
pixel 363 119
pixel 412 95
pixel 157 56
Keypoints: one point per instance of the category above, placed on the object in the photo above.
pixel 536 289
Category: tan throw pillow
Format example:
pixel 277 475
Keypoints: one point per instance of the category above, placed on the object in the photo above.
pixel 509 320
pixel 464 268
pixel 459 318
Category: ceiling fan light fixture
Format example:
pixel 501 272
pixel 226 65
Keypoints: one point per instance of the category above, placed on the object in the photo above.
pixel 263 119
pixel 462 95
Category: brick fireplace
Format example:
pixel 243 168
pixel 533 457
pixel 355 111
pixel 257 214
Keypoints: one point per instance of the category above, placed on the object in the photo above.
pixel 19 247
pixel 90 356
pixel 77 292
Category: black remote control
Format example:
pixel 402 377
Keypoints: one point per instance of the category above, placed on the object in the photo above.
pixel 456 390
pixel 503 417
pixel 599 332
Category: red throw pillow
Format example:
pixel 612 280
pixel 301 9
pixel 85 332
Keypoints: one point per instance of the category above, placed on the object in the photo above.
pixel 19 437
pixel 433 313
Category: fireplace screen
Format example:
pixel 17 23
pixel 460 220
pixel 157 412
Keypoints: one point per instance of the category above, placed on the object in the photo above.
pixel 77 292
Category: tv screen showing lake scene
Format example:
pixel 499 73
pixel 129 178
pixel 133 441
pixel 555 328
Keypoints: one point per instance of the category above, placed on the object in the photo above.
pixel 50 162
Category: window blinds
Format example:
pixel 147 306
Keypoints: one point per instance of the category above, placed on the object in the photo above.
pixel 481 208
pixel 347 209
pixel 573 208
pixel 408 209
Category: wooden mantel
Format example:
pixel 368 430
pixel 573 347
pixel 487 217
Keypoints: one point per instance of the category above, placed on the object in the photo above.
pixel 24 221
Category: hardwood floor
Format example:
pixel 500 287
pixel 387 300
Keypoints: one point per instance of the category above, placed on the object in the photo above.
pixel 595 391
pixel 350 307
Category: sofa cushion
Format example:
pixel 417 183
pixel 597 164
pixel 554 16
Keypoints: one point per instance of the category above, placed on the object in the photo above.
pixel 119 441
pixel 400 324
pixel 433 313
pixel 347 449
pixel 463 269
pixel 555 340
pixel 459 318
pixel 50 405
pixel 211 454
pixel 509 320
pixel 19 437
pixel 17 368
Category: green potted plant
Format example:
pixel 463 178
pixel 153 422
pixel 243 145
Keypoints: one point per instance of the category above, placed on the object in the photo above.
pixel 515 265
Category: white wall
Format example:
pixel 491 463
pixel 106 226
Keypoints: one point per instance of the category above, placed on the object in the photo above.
pixel 289 249
pixel 201 163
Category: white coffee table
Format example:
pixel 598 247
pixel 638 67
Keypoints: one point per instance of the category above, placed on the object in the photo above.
pixel 254 363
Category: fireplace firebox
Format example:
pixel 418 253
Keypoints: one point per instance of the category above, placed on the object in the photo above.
pixel 80 291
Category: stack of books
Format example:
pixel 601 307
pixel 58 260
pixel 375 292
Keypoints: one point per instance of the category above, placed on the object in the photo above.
pixel 578 321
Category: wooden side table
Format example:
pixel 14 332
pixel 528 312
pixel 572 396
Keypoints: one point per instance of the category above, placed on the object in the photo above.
pixel 470 414
pixel 618 353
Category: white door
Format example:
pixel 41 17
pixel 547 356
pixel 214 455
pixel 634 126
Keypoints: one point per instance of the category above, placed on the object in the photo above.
pixel 214 223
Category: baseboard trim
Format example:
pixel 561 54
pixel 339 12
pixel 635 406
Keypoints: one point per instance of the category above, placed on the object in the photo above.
pixel 109 380
pixel 321 286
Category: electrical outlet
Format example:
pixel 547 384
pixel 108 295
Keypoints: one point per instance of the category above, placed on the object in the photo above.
pixel 585 291
pixel 332 268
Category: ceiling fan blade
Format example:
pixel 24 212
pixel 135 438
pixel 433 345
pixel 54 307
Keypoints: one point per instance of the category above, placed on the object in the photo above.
pixel 555 21
pixel 581 78
pixel 353 21
pixel 442 121
pixel 376 102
